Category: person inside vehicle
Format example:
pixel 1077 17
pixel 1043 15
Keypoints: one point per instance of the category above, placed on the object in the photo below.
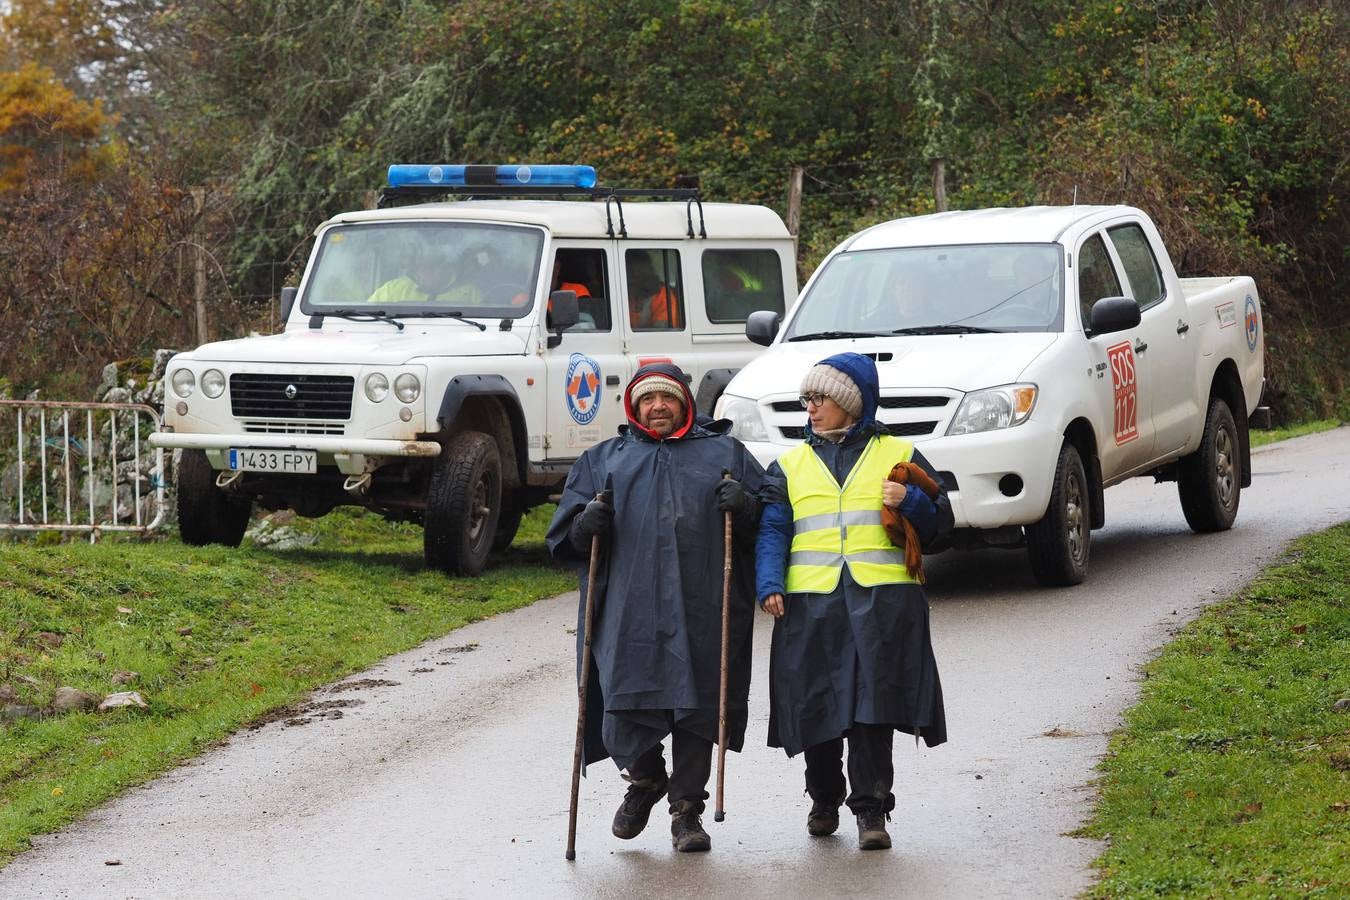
pixel 652 304
pixel 431 277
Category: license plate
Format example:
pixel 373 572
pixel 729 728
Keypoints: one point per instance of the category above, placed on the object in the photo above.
pixel 301 462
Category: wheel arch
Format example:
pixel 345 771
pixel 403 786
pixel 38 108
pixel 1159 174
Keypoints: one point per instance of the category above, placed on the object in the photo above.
pixel 1079 433
pixel 488 403
pixel 711 387
pixel 1226 385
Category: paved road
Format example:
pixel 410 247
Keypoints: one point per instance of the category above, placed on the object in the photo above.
pixel 454 781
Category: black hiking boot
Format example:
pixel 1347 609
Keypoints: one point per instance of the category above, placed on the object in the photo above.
pixel 872 833
pixel 686 829
pixel 637 807
pixel 823 819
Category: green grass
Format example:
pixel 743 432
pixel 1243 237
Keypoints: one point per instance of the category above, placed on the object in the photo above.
pixel 219 637
pixel 1231 777
pixel 1260 438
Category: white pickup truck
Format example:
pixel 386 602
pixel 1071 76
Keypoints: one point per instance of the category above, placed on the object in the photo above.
pixel 1035 356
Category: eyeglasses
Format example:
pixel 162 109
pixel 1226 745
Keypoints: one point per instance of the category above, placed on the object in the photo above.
pixel 816 399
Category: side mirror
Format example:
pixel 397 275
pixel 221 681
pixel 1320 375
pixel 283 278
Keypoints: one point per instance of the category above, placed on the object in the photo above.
pixel 1114 314
pixel 287 301
pixel 761 327
pixel 562 314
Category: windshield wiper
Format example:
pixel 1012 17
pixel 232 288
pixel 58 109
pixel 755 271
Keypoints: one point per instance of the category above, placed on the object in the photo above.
pixel 948 329
pixel 452 314
pixel 830 335
pixel 352 315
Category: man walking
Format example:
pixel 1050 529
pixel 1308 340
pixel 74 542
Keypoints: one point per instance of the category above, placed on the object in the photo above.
pixel 656 638
pixel 851 656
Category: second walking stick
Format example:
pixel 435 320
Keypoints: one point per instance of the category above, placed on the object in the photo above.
pixel 719 813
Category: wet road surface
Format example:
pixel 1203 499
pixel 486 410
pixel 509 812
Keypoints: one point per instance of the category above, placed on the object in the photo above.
pixel 453 780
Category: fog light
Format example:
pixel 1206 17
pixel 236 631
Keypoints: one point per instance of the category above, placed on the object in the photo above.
pixel 1010 485
pixel 181 408
pixel 405 414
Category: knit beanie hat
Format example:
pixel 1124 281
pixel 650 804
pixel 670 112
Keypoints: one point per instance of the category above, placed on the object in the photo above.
pixel 827 380
pixel 657 382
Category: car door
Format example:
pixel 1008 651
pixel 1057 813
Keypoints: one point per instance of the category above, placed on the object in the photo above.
pixel 587 370
pixel 1162 338
pixel 1123 390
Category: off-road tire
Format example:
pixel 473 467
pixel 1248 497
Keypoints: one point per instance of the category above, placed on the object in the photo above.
pixel 1059 543
pixel 1209 481
pixel 464 502
pixel 508 523
pixel 206 514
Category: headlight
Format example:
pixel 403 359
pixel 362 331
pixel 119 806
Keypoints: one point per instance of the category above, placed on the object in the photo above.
pixel 183 382
pixel 377 387
pixel 213 383
pixel 746 422
pixel 407 387
pixel 991 408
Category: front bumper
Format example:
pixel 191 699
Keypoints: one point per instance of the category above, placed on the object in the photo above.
pixel 351 456
pixel 979 463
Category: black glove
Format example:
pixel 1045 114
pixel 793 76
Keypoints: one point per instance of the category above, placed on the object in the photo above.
pixel 732 498
pixel 595 520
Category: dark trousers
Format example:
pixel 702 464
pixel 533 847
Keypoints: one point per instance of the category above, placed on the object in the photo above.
pixel 871 772
pixel 691 764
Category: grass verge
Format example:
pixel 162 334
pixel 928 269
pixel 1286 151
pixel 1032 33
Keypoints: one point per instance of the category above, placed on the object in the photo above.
pixel 1231 777
pixel 217 638
pixel 1261 438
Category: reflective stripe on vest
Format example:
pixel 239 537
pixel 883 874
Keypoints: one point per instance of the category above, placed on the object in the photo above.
pixel 833 526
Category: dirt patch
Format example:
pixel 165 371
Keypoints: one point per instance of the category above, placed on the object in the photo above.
pixel 462 648
pixel 363 683
pixel 1058 732
pixel 304 713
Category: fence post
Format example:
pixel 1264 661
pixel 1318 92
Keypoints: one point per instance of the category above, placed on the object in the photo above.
pixel 199 239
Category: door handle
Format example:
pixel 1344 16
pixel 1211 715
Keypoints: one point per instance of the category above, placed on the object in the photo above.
pixel 611 379
pixel 1183 327
pixel 1139 346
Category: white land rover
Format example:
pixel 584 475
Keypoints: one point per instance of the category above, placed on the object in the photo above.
pixel 446 362
pixel 1036 356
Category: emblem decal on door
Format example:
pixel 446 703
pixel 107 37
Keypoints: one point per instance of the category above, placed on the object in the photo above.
pixel 1251 322
pixel 1126 388
pixel 583 388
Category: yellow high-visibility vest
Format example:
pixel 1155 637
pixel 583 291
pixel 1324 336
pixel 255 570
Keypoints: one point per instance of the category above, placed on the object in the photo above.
pixel 834 526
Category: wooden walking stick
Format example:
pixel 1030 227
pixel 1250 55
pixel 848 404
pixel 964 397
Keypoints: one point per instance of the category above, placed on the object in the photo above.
pixel 718 812
pixel 581 690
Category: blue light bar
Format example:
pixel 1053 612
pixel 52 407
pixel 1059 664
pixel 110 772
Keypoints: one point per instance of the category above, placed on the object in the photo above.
pixel 492 176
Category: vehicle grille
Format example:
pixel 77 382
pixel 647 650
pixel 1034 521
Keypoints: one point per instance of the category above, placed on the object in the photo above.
pixel 272 427
pixel 257 396
pixel 898 429
pixel 886 403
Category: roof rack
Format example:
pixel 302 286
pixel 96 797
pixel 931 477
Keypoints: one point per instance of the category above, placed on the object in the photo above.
pixel 395 196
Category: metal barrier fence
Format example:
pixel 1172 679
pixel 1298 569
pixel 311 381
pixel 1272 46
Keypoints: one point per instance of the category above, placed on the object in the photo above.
pixel 80 467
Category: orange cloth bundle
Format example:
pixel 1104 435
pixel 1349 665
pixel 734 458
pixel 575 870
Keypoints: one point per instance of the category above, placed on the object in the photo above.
pixel 898 528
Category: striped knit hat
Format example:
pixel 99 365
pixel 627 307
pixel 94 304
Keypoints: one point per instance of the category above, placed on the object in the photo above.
pixel 827 380
pixel 653 383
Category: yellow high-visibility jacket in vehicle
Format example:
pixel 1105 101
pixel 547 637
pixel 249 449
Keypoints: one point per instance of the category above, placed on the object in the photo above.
pixel 833 526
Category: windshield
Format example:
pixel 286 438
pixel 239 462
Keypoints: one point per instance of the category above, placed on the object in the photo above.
pixel 917 290
pixel 408 269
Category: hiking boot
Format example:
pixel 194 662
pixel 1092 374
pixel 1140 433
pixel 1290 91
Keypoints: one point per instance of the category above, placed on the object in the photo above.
pixel 872 831
pixel 686 832
pixel 823 819
pixel 637 807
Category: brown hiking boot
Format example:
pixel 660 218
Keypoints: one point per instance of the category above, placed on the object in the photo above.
pixel 637 807
pixel 872 833
pixel 823 819
pixel 686 830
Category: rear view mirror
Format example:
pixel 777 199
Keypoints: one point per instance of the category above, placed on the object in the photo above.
pixel 563 313
pixel 761 327
pixel 287 301
pixel 1111 314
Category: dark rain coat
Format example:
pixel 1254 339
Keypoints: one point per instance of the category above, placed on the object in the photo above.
pixel 859 654
pixel 656 646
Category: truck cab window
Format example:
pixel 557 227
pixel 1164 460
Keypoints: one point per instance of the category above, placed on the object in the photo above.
pixel 739 282
pixel 1141 269
pixel 1096 277
pixel 583 270
pixel 654 290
